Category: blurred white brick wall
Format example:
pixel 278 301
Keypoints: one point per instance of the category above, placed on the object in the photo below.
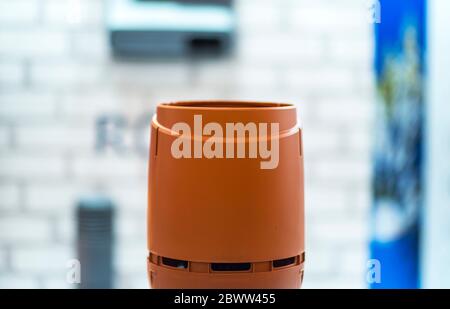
pixel 57 78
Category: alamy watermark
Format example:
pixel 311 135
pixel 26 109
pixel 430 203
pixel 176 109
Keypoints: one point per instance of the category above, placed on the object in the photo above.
pixel 73 274
pixel 222 141
pixel 374 11
pixel 373 274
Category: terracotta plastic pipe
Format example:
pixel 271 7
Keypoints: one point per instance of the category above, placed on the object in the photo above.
pixel 225 222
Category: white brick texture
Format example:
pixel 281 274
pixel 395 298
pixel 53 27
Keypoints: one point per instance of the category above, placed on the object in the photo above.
pixel 57 78
pixel 20 166
pixel 12 281
pixel 16 12
pixel 24 229
pixel 41 260
pixel 11 73
pixel 33 43
pixel 10 196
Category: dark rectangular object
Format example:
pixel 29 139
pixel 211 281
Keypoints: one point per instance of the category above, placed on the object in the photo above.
pixel 174 263
pixel 150 28
pixel 231 266
pixel 284 262
pixel 95 218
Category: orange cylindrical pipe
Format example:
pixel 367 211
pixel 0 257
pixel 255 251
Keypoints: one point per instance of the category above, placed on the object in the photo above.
pixel 225 222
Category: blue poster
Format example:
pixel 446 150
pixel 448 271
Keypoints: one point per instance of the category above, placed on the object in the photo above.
pixel 397 177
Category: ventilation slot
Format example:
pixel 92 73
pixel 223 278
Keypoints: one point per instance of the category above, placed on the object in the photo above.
pixel 231 266
pixel 175 263
pixel 284 262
